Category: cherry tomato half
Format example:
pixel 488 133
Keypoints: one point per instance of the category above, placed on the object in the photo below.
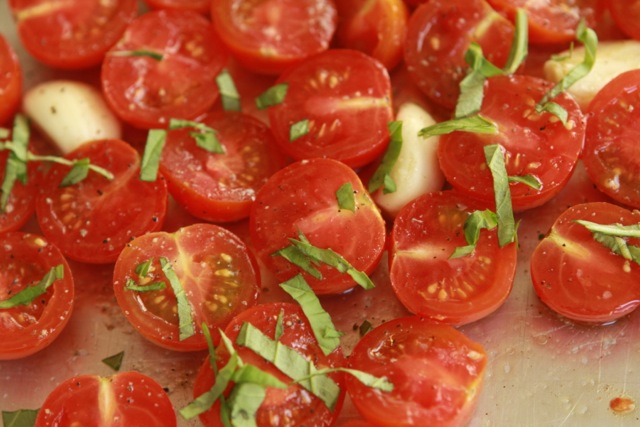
pixel 626 14
pixel 10 81
pixel 21 203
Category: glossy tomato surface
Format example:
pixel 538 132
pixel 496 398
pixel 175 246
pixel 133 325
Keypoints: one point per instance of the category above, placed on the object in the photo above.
pixel 626 14
pixel 220 187
pixel 200 6
pixel 291 406
pixel 345 97
pixel 10 81
pixel 436 371
pixel 535 144
pixel 301 198
pixel 92 221
pixel 432 284
pixel 213 266
pixel 611 153
pixel 25 329
pixel 174 77
pixel 580 278
pixel 21 203
pixel 122 400
pixel 71 35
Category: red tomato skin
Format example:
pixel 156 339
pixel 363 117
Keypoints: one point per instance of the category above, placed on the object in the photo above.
pixel 147 92
pixel 568 267
pixel 92 221
pixel 611 151
pixel 269 37
pixel 200 6
pixel 534 144
pixel 95 26
pixel 438 35
pixel 221 187
pixel 452 291
pixel 227 283
pixel 24 260
pixel 10 81
pixel 302 407
pixel 136 398
pixel 626 15
pixel 22 201
pixel 346 97
pixel 301 198
pixel 437 373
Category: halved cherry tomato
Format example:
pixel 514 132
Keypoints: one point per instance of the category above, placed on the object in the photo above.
pixel 92 221
pixel 294 405
pixel 626 14
pixel 345 96
pixel 439 34
pixel 124 399
pixel 580 278
pixel 200 6
pixel 215 269
pixel 269 36
pixel 436 371
pixel 611 154
pixel 375 27
pixel 163 67
pixel 71 35
pixel 10 81
pixel 301 198
pixel 21 203
pixel 221 186
pixel 25 259
pixel 535 144
pixel 431 284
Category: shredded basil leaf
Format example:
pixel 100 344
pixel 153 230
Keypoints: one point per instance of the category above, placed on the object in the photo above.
pixel 245 400
pixel 204 136
pixel 298 129
pixel 555 109
pixel 20 418
pixel 613 237
pixel 380 383
pixel 139 52
pixel 382 176
pixel 152 154
pixel 114 361
pixel 185 315
pixel 530 180
pixel 473 124
pixel 476 221
pixel 273 96
pixel 279 325
pixel 78 172
pixel 155 286
pixel 30 293
pixel 346 197
pixel 504 209
pixel 520 44
pixel 143 268
pixel 228 92
pixel 16 165
pixel 472 85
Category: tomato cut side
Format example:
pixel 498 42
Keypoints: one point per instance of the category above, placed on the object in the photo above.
pixel 200 6
pixel 21 203
pixel 10 81
pixel 436 372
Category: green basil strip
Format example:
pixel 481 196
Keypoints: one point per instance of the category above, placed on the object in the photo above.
pixel 279 325
pixel 114 361
pixel 185 315
pixel 142 269
pixel 519 46
pixel 20 418
pixel 382 176
pixel 555 109
pixel 346 197
pixel 252 374
pixel 273 96
pixel 139 52
pixel 79 171
pixel 298 129
pixel 16 164
pixel 299 258
pixel 228 92
pixel 290 362
pixel 612 236
pixel 472 86
pixel 28 294
pixel 155 286
pixel 152 154
pixel 618 230
pixel 476 221
pixel 245 400
pixel 473 124
pixel 504 209
pixel 79 168
pixel 530 180
pixel 380 383
pixel 205 137
pixel 324 330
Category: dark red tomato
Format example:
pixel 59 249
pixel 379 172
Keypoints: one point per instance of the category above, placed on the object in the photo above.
pixel 22 200
pixel 200 6
pixel 124 399
pixel 626 15
pixel 215 269
pixel 611 154
pixel 10 81
pixel 345 96
pixel 221 187
pixel 147 91
pixel 552 21
pixel 453 291
pixel 534 144
pixel 377 28
pixel 25 259
pixel 439 34
pixel 269 36
pixel 92 221
pixel 437 373
pixel 71 35
pixel 301 198
pixel 580 278
pixel 292 406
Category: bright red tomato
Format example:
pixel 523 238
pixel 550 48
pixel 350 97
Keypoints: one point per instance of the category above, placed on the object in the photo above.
pixel 345 96
pixel 437 373
pixel 377 28
pixel 24 261
pixel 200 6
pixel 293 406
pixel 301 198
pixel 611 154
pixel 22 200
pixel 626 14
pixel 92 221
pixel 453 291
pixel 581 278
pixel 10 81
pixel 269 36
pixel 221 187
pixel 146 91
pixel 71 35
pixel 124 399
pixel 215 269
pixel 552 21
pixel 439 34
pixel 534 144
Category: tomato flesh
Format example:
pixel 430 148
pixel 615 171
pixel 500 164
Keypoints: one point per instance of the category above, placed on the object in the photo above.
pixel 626 14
